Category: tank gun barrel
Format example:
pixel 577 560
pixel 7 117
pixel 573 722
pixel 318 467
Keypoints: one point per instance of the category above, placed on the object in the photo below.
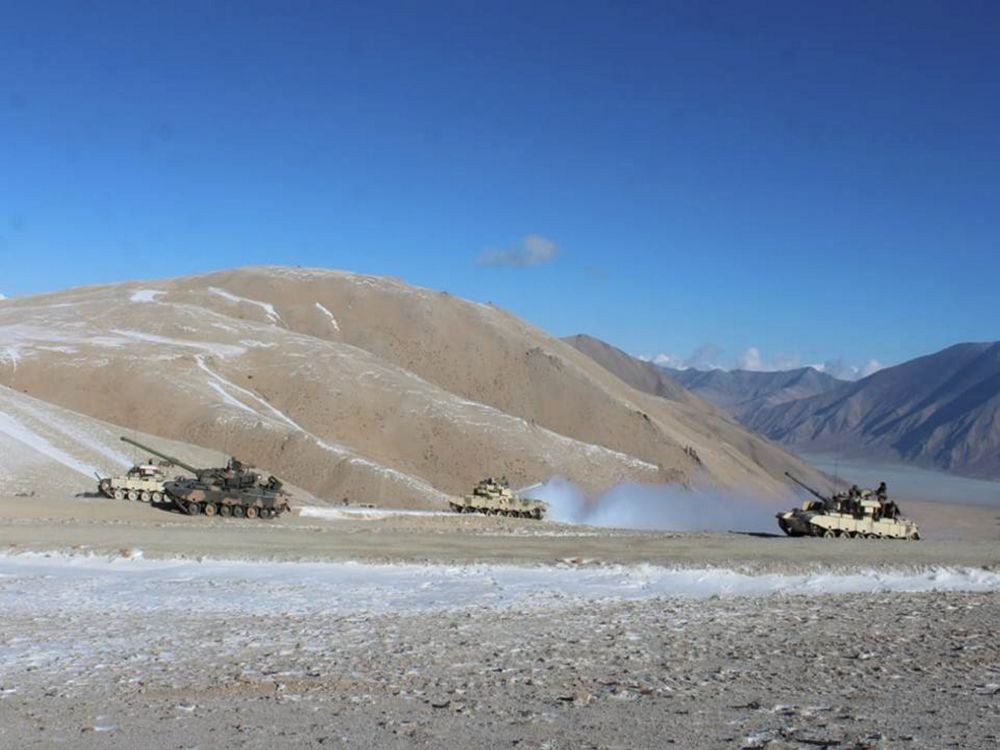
pixel 164 456
pixel 809 489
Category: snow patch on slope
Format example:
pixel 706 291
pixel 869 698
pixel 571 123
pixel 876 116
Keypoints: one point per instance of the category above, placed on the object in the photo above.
pixel 222 350
pixel 327 313
pixel 222 385
pixel 235 298
pixel 145 295
pixel 19 432
pixel 54 421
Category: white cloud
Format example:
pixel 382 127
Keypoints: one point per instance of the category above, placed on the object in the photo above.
pixel 664 360
pixel 752 359
pixel 838 368
pixel 705 357
pixel 2 296
pixel 871 368
pixel 533 250
pixel 708 357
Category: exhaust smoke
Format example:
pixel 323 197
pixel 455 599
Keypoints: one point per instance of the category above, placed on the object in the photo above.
pixel 661 507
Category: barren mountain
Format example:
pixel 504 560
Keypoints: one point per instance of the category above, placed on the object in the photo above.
pixel 361 387
pixel 46 449
pixel 743 393
pixel 942 410
pixel 643 376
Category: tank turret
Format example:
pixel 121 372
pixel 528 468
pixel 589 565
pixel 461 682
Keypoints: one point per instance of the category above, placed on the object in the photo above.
pixel 164 456
pixel 815 493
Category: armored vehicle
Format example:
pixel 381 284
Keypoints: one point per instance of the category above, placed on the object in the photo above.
pixel 233 490
pixel 143 482
pixel 852 514
pixel 494 498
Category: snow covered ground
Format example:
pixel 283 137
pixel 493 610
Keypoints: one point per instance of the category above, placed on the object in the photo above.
pixel 49 583
pixel 366 514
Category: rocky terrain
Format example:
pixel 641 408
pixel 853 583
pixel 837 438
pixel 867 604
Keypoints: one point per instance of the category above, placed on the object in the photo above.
pixel 355 386
pixel 125 625
pixel 234 659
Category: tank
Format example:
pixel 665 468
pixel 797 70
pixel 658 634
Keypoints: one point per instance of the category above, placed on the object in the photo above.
pixel 233 490
pixel 143 483
pixel 494 498
pixel 858 514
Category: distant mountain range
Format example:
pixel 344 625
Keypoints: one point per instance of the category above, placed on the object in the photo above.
pixel 744 393
pixel 942 410
pixel 938 411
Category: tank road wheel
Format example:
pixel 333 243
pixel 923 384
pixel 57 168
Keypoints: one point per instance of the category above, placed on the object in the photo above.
pixel 252 512
pixel 119 494
pixel 144 496
pixel 157 497
pixel 210 509
pixel 133 495
pixel 225 511
pixel 193 509
pixel 238 511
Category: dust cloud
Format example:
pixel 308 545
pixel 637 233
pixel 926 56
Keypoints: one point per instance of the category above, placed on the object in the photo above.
pixel 664 507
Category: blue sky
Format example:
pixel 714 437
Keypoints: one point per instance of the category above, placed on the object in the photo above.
pixel 813 181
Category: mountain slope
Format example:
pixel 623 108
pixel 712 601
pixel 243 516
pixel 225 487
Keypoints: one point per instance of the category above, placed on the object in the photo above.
pixel 743 393
pixel 360 386
pixel 643 376
pixel 45 449
pixel 942 410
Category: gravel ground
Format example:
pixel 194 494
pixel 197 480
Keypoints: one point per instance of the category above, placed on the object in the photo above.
pixel 107 526
pixel 175 667
pixel 852 671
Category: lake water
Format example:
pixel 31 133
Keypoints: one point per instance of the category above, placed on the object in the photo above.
pixel 910 482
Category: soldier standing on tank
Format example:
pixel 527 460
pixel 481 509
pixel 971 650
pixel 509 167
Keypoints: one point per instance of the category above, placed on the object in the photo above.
pixel 889 508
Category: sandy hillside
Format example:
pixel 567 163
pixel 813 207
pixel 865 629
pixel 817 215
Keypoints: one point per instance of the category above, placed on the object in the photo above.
pixel 361 387
pixel 47 451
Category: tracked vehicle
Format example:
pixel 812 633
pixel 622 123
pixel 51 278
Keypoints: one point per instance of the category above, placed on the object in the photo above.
pixel 846 515
pixel 233 490
pixel 142 483
pixel 493 497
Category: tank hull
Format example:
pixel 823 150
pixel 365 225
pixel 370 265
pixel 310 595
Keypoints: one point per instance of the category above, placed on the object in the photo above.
pixel 197 498
pixel 146 490
pixel 832 524
pixel 514 507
